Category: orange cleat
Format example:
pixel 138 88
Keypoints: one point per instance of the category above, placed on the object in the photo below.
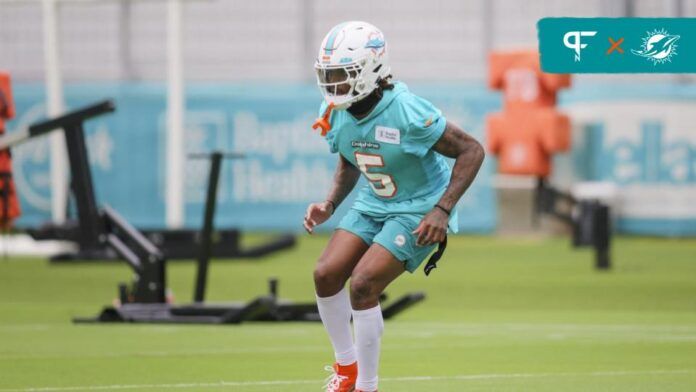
pixel 342 378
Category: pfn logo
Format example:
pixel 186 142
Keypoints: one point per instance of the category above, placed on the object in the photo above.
pixel 576 43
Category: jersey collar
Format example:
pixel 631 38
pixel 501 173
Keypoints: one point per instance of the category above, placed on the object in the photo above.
pixel 387 98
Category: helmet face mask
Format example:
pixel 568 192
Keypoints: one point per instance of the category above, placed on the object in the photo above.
pixel 352 59
pixel 338 84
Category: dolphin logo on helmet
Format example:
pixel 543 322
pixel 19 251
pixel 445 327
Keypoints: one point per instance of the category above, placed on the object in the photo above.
pixel 376 43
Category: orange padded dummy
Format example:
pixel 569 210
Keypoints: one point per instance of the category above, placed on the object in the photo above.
pixel 529 130
pixel 9 204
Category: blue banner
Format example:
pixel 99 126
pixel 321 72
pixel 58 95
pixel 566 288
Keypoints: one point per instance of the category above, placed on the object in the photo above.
pixel 613 45
pixel 287 165
pixel 640 137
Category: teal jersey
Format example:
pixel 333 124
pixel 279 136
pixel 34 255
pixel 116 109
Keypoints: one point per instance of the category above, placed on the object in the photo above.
pixel 392 147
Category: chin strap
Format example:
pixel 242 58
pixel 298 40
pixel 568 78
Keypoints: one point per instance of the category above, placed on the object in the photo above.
pixel 323 121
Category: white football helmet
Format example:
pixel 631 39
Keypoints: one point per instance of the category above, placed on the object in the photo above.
pixel 352 59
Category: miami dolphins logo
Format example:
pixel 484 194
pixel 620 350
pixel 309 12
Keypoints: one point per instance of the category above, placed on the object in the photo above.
pixel 658 46
pixel 375 41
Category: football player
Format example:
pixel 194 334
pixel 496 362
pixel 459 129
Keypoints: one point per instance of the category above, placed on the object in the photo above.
pixel 398 142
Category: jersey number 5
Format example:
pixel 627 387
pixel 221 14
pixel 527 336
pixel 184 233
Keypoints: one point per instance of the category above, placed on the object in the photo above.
pixel 382 184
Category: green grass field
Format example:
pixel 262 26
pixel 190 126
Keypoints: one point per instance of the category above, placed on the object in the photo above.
pixel 500 314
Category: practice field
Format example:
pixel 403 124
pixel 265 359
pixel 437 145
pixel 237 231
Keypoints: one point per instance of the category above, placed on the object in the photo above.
pixel 500 314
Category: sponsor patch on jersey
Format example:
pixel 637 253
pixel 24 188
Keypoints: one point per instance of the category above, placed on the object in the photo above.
pixel 387 135
pixel 364 144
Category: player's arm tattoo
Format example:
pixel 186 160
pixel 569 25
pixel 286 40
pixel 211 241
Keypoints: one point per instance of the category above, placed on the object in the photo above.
pixel 468 155
pixel 345 178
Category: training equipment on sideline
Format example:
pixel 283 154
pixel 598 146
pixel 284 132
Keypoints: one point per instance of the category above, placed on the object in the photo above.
pixel 527 133
pixel 89 230
pixel 140 305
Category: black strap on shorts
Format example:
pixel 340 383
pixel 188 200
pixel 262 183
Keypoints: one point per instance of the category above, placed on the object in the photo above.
pixel 432 262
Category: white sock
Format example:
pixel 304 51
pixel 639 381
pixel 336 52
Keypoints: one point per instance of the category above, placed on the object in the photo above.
pixel 368 325
pixel 335 314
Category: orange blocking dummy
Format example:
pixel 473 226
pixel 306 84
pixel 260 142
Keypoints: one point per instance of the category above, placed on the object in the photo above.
pixel 9 204
pixel 529 130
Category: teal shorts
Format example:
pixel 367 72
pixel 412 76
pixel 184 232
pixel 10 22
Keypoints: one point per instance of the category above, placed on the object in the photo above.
pixel 393 232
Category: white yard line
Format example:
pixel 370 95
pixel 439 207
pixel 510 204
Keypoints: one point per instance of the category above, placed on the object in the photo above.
pixel 554 326
pixel 148 354
pixel 404 326
pixel 464 377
